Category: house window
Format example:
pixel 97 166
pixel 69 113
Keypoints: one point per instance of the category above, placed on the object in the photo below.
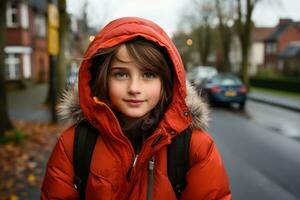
pixel 12 14
pixel 12 65
pixel 271 48
pixel 40 25
pixel 274 48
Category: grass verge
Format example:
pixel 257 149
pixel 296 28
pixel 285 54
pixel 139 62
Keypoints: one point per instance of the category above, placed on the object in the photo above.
pixel 15 135
pixel 277 92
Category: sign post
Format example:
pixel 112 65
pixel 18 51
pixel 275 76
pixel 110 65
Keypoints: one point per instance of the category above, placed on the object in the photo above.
pixel 53 50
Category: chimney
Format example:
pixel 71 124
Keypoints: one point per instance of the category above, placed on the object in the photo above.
pixel 283 21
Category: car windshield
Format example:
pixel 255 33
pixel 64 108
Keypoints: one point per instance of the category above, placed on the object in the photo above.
pixel 202 72
pixel 226 80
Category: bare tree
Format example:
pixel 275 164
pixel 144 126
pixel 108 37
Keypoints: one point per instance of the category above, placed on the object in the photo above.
pixel 198 21
pixel 5 123
pixel 225 32
pixel 62 62
pixel 244 26
pixel 185 51
pixel 204 41
pixel 84 26
pixel 203 29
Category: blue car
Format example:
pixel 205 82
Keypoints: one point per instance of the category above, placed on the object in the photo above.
pixel 72 77
pixel 224 88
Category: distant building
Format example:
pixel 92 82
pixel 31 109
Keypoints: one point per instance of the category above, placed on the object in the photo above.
pixel 26 43
pixel 289 59
pixel 256 57
pixel 271 47
pixel 282 45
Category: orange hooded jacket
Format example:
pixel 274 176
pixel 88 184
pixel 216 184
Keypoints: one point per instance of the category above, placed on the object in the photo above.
pixel 113 153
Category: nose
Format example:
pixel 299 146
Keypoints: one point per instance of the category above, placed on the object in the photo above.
pixel 134 86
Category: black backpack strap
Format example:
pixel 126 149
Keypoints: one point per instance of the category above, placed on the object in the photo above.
pixel 84 143
pixel 178 160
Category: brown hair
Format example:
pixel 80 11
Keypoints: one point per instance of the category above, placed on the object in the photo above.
pixel 147 54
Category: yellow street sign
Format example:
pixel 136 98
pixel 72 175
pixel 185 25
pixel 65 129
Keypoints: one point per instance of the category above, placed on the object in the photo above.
pixel 53 25
pixel 53 41
pixel 53 17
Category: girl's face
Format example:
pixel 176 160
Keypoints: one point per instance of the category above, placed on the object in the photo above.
pixel 132 91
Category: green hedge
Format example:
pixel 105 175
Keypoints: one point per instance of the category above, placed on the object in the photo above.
pixel 290 85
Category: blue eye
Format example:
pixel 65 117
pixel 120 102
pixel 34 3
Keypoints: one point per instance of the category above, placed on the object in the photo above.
pixel 120 75
pixel 150 75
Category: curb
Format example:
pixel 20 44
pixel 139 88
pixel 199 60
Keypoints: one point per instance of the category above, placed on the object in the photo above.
pixel 274 104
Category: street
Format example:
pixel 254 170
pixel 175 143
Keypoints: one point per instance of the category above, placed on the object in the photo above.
pixel 29 104
pixel 260 148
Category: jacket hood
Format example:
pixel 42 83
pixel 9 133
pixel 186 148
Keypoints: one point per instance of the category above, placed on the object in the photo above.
pixel 177 117
pixel 69 107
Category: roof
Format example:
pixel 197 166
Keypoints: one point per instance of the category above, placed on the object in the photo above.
pixel 280 29
pixel 291 51
pixel 278 32
pixel 261 33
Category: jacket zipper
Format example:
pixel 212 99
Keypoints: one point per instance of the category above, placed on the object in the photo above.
pixel 135 156
pixel 134 160
pixel 151 161
pixel 150 178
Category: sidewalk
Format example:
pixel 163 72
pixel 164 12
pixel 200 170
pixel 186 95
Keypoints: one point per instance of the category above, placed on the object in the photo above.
pixel 28 104
pixel 276 100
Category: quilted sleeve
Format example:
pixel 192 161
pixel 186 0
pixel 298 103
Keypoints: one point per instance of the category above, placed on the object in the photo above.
pixel 207 178
pixel 58 180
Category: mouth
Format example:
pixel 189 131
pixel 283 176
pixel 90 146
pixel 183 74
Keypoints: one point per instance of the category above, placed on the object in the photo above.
pixel 134 102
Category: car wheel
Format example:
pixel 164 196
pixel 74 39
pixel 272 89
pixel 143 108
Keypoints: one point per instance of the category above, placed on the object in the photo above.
pixel 242 105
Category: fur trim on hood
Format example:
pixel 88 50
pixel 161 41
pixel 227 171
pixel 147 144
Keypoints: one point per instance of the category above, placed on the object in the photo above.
pixel 69 107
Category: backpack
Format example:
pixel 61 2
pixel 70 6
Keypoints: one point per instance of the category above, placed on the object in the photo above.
pixel 85 140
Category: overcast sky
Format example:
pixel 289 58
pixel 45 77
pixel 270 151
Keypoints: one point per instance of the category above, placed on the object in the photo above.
pixel 167 13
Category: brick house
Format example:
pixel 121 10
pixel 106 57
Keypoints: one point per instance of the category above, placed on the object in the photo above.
pixel 256 51
pixel 26 43
pixel 259 34
pixel 284 38
pixel 289 59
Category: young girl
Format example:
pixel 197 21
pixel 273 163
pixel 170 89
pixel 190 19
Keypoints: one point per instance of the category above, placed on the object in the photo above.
pixel 132 90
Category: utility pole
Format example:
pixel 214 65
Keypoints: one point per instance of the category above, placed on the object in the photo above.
pixel 53 49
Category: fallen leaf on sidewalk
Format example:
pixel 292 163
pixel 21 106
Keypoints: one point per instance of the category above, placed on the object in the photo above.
pixel 13 197
pixel 32 165
pixel 31 178
pixel 23 163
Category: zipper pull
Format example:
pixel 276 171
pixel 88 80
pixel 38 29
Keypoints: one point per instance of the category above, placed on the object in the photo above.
pixel 150 178
pixel 134 160
pixel 131 167
pixel 151 164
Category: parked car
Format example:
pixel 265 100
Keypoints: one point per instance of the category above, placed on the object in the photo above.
pixel 224 88
pixel 72 76
pixel 200 73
